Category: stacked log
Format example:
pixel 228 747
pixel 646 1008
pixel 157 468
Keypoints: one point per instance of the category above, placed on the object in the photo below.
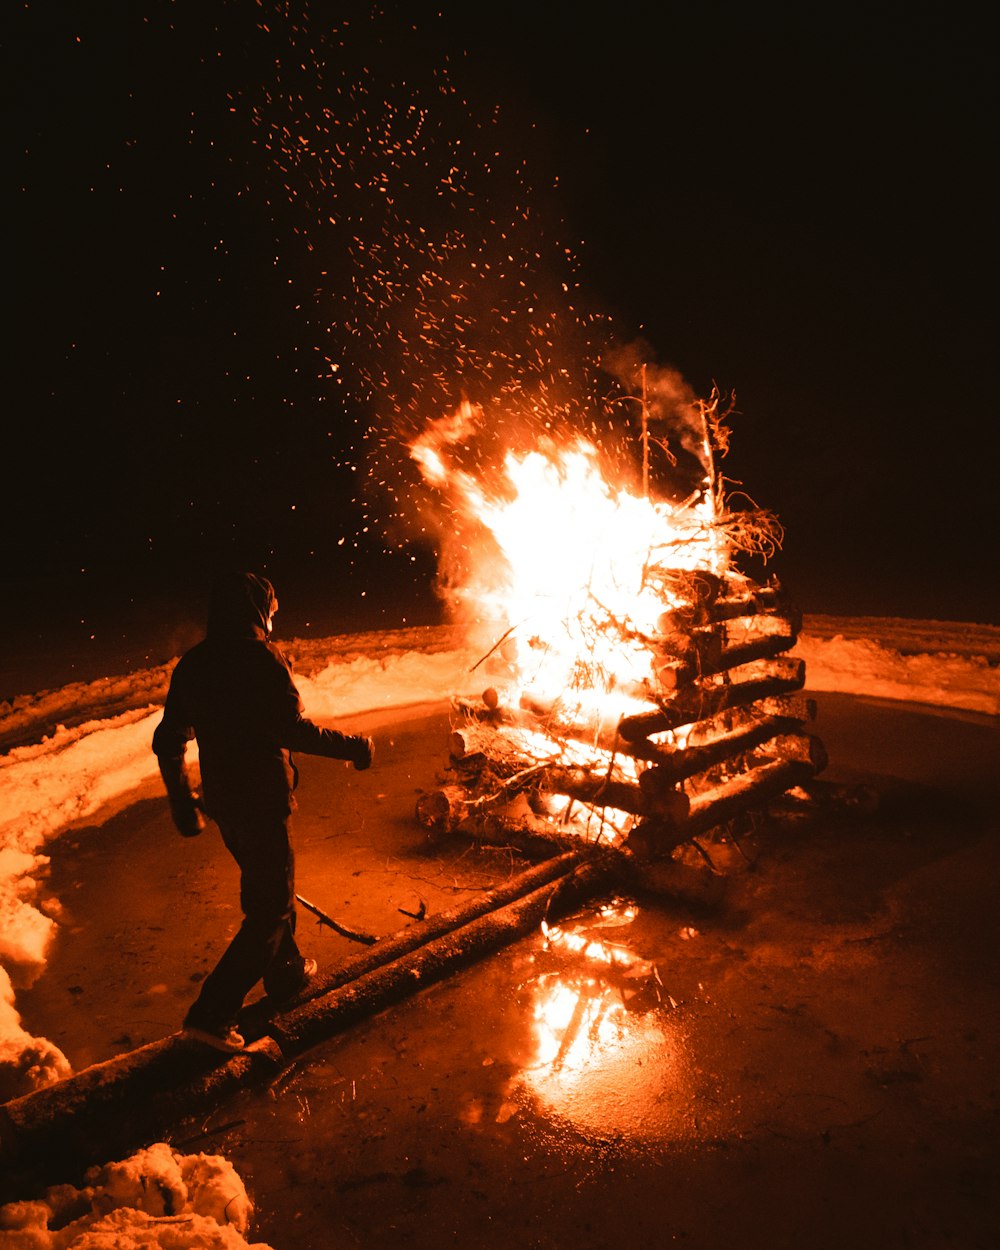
pixel 724 730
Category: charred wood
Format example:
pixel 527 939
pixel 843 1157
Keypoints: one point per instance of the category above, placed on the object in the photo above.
pixel 698 649
pixel 806 748
pixel 798 707
pixel 750 789
pixel 788 620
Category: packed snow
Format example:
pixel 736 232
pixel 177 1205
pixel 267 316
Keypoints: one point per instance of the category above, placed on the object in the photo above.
pixel 82 753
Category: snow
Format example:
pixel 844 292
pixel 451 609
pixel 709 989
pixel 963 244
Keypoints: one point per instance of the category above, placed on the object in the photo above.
pixel 157 1199
pixel 82 753
pixel 945 664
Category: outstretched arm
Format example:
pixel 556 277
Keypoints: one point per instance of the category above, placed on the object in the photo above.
pixel 299 733
pixel 309 738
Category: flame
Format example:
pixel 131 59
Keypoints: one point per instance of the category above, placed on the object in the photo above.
pixel 568 552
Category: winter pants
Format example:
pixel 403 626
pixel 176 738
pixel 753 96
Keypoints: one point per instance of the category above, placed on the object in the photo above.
pixel 264 947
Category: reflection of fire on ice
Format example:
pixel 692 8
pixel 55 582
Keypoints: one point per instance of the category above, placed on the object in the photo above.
pixel 636 687
pixel 608 1052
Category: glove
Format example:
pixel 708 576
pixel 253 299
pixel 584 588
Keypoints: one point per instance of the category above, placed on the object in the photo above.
pixel 187 816
pixel 363 753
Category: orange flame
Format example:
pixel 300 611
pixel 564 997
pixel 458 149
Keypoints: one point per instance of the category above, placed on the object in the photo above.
pixel 575 568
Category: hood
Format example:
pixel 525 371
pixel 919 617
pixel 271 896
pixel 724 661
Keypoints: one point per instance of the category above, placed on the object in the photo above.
pixel 241 605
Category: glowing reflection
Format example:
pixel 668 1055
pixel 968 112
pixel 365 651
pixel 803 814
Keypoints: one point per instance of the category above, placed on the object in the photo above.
pixel 606 1053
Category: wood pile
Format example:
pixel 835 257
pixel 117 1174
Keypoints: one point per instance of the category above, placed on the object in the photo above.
pixel 721 729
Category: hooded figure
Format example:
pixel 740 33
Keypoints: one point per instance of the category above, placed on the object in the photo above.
pixel 234 692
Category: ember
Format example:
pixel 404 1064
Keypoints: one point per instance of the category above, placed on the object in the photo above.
pixel 637 687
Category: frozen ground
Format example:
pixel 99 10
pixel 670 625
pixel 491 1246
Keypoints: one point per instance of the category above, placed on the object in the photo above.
pixel 78 787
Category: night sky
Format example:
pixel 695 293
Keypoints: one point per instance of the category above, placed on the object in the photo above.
pixel 209 199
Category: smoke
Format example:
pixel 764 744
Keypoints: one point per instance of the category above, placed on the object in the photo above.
pixel 679 441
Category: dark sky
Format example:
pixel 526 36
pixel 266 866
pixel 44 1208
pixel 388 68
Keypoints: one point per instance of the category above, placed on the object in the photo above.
pixel 791 202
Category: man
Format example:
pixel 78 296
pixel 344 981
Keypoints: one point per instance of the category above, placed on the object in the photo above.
pixel 234 693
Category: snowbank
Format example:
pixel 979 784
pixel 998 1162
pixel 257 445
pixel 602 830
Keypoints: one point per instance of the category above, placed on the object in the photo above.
pixel 157 1199
pixel 944 665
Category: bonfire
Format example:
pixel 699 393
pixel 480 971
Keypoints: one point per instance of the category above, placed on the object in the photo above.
pixel 636 688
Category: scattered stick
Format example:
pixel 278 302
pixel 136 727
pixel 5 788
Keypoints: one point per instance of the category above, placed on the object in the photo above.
pixel 366 939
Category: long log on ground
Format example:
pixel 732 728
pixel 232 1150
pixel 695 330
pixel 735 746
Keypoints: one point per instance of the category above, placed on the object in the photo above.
pixel 56 1132
pixel 254 1020
pixel 322 1018
pixel 115 1106
pixel 690 705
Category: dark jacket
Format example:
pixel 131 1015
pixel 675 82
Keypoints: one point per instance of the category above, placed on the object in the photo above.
pixel 234 692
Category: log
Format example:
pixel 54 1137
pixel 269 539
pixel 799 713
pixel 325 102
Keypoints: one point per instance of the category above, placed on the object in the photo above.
pixel 797 746
pixel 322 1018
pixel 741 794
pixel 111 1108
pixel 674 763
pixel 745 791
pixel 690 705
pixel 765 647
pixel 577 783
pixel 696 649
pixel 786 620
pixel 608 738
pixel 444 809
pixel 765 599
pixel 798 707
pixel 831 796
pixel 490 713
pixel 475 746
